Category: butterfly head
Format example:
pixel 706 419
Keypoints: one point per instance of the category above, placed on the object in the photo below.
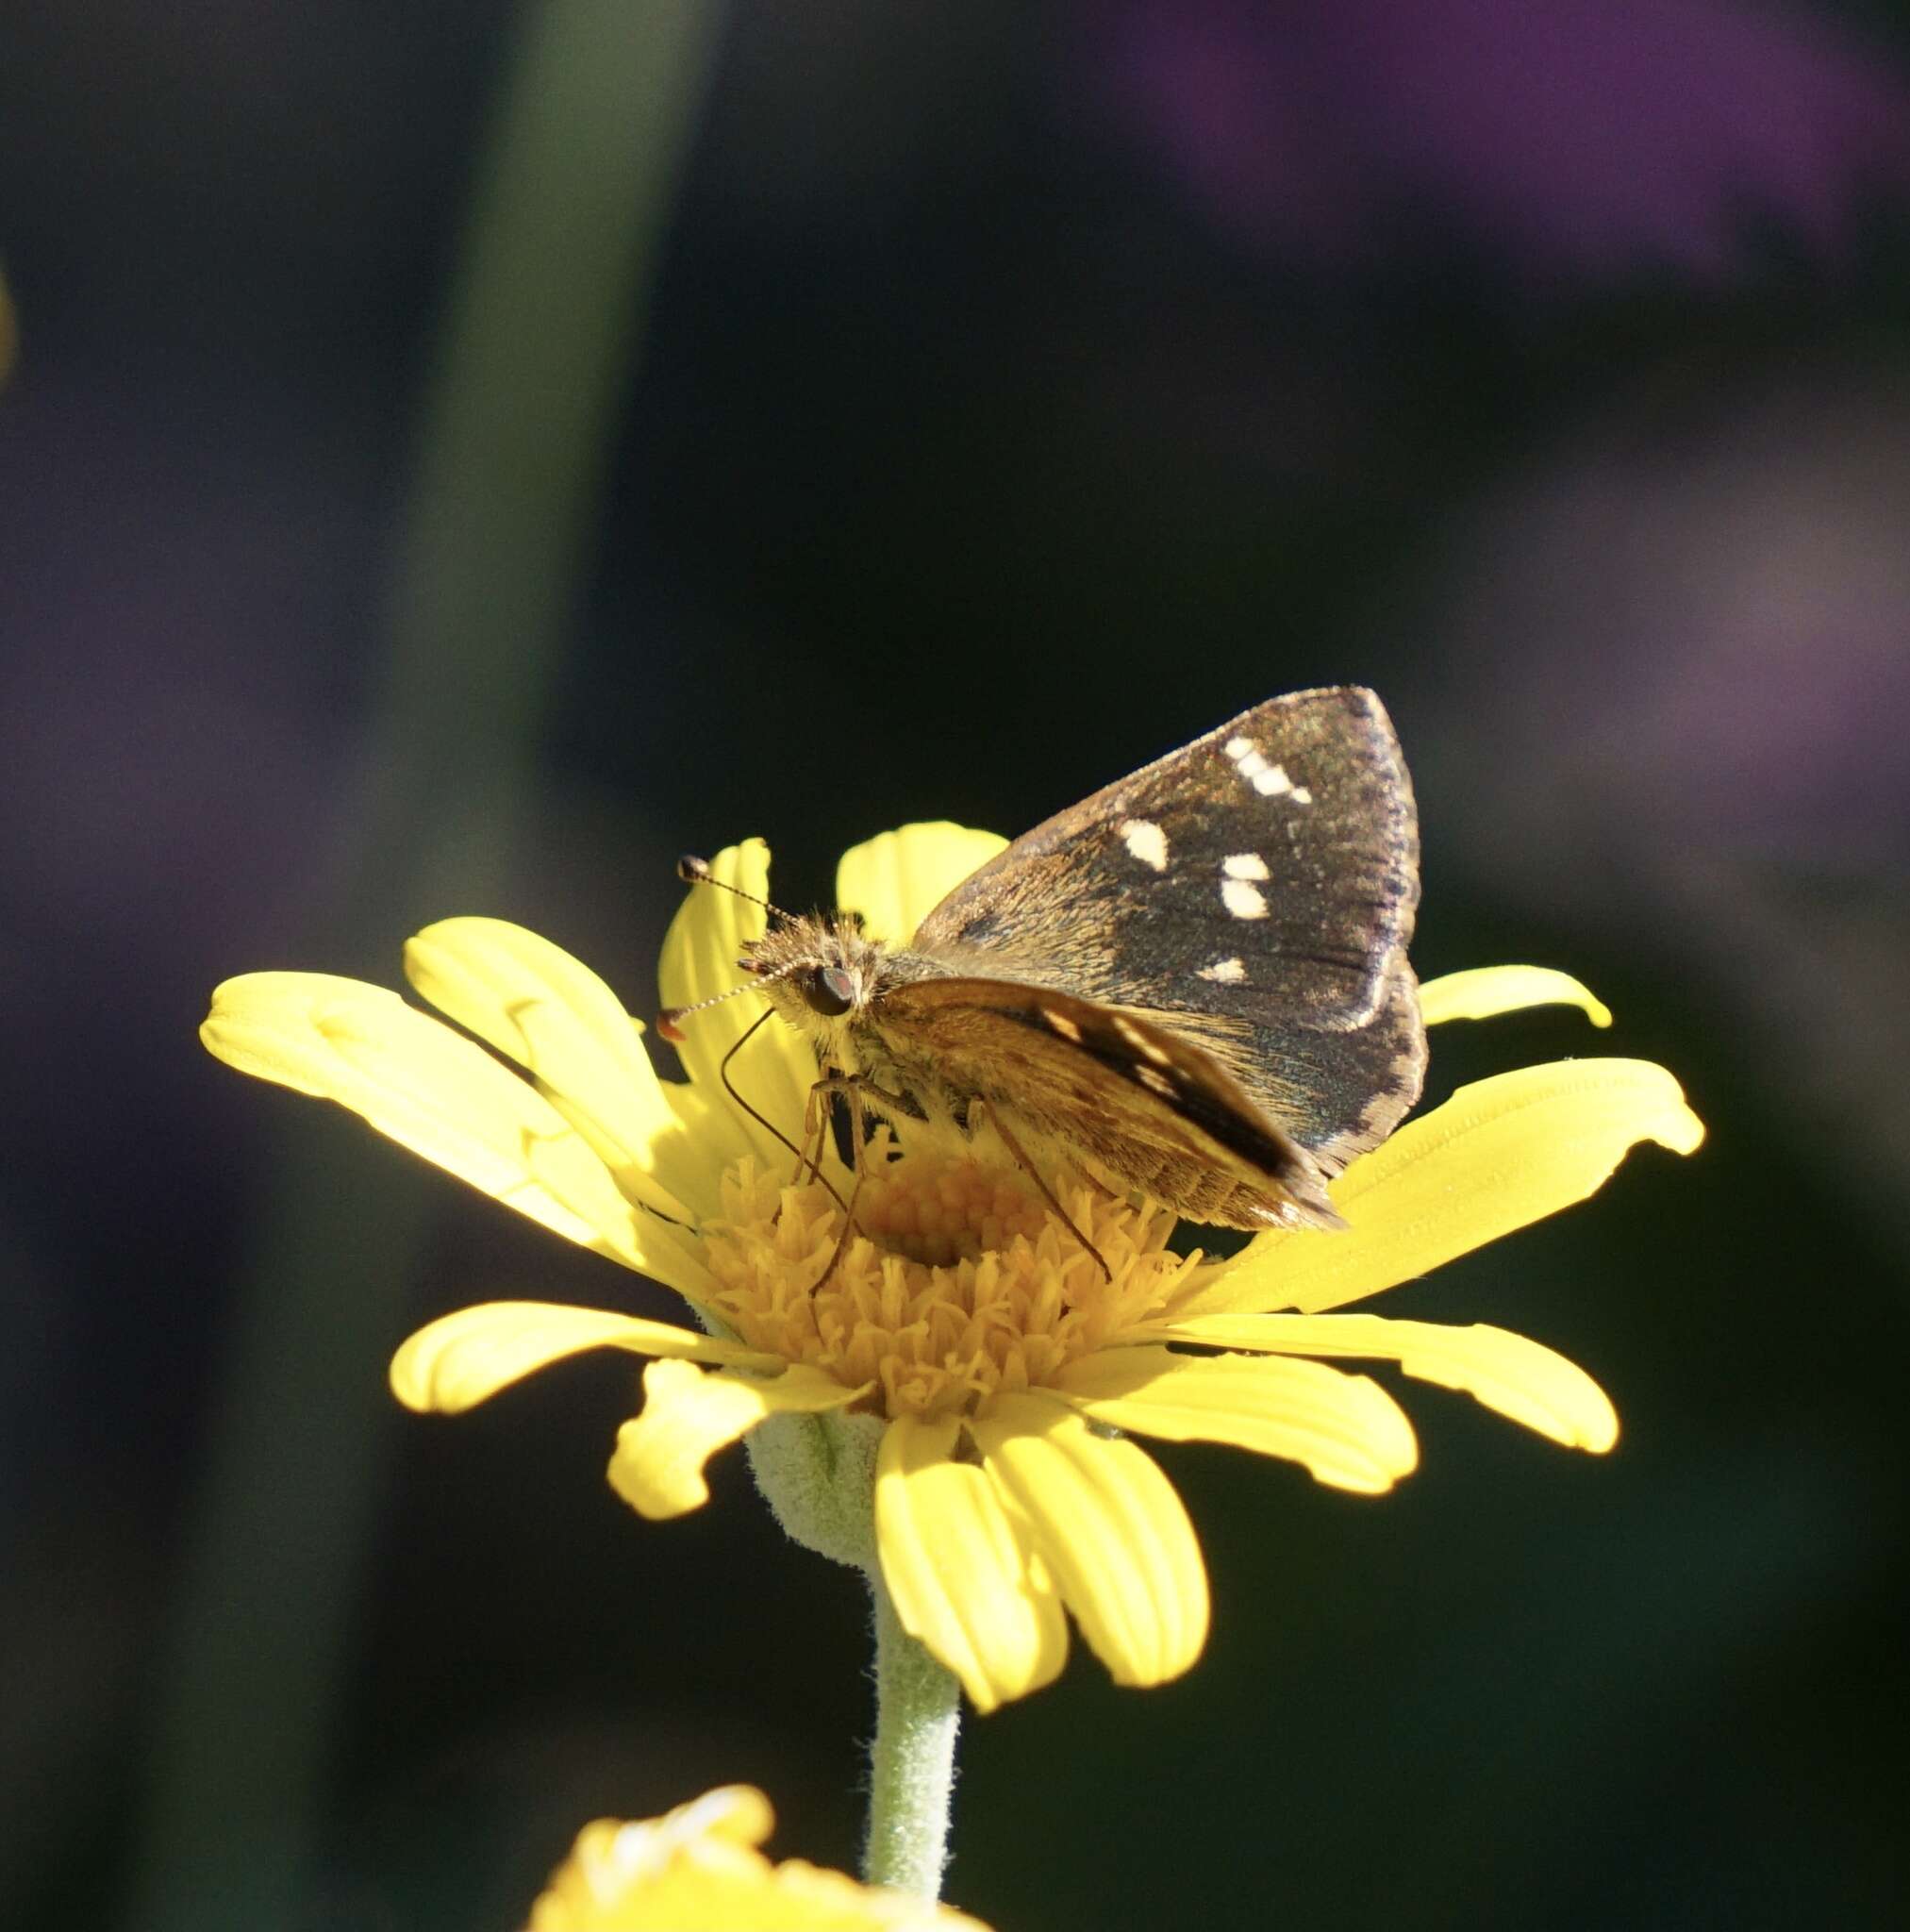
pixel 818 973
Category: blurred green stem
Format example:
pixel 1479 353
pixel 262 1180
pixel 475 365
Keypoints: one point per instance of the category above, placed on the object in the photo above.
pixel 542 329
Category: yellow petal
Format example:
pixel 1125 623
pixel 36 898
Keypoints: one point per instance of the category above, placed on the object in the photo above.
pixel 616 1870
pixel 710 1125
pixel 463 1359
pixel 442 1096
pixel 1346 1429
pixel 688 1416
pixel 531 1001
pixel 895 880
pixel 1486 991
pixel 1110 1529
pixel 959 1569
pixel 776 1071
pixel 1518 1376
pixel 1501 1153
pixel 697 1869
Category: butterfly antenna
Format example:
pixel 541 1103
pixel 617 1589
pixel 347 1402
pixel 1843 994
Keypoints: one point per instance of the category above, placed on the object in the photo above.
pixel 697 872
pixel 669 1019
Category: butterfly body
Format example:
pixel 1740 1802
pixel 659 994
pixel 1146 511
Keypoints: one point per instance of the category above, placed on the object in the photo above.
pixel 1193 983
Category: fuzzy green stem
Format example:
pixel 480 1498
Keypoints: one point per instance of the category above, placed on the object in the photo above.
pixel 911 1763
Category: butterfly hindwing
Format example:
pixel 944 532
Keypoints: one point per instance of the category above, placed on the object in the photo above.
pixel 1152 1108
pixel 1252 895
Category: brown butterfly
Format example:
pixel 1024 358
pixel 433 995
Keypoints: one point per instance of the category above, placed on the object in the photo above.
pixel 1193 983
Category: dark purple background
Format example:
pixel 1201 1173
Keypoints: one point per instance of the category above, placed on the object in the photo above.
pixel 1024 390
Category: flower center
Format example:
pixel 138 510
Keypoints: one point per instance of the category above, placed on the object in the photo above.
pixel 960 1279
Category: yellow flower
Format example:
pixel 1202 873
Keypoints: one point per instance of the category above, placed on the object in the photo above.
pixel 995 1374
pixel 699 1867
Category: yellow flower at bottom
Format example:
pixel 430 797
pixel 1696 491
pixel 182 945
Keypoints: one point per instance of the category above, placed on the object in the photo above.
pixel 698 1870
pixel 962 1322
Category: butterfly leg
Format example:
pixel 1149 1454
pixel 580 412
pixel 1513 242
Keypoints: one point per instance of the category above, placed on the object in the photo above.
pixel 853 1086
pixel 857 1088
pixel 1034 1173
pixel 770 1126
pixel 1091 1181
pixel 815 1124
pixel 857 1153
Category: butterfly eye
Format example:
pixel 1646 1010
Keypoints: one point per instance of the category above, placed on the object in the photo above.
pixel 830 991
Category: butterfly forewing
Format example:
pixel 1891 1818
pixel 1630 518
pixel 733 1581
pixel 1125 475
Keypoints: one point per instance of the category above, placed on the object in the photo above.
pixel 1252 893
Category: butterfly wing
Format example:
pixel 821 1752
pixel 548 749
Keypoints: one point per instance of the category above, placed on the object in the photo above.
pixel 1156 1111
pixel 1252 895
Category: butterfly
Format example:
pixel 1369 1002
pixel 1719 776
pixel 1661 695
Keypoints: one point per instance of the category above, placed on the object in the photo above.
pixel 1192 984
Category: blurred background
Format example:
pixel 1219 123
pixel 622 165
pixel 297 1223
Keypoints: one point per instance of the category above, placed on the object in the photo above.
pixel 460 456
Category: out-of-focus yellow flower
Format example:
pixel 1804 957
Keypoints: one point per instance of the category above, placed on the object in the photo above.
pixel 698 1870
pixel 1007 1372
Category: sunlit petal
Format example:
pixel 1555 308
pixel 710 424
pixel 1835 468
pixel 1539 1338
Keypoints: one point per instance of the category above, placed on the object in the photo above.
pixel 1499 1154
pixel 533 1002
pixel 701 951
pixel 1486 991
pixel 896 879
pixel 461 1359
pixel 690 1414
pixel 1110 1529
pixel 711 1125
pixel 1346 1429
pixel 441 1095
pixel 959 1567
pixel 1519 1377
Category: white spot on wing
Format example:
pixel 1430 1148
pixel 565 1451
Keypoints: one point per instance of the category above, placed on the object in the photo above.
pixel 1223 972
pixel 1158 1082
pixel 1146 841
pixel 1244 865
pixel 1243 899
pixel 1061 1024
pixel 1252 765
pixel 1270 781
